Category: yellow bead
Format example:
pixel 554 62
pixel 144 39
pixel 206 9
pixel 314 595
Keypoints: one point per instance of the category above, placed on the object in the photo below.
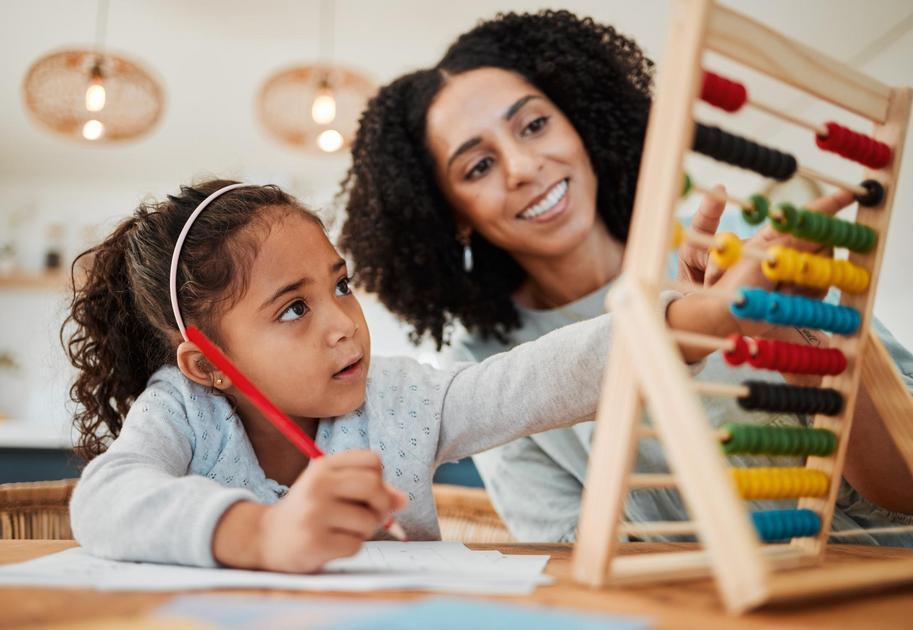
pixel 727 251
pixel 781 264
pixel 814 271
pixel 678 234
pixel 779 483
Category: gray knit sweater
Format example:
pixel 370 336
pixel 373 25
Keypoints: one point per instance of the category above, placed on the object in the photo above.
pixel 183 457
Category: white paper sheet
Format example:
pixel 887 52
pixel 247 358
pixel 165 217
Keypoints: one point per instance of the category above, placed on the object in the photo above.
pixel 381 565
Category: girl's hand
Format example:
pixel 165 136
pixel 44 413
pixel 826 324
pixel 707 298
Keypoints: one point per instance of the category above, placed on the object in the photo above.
pixel 337 503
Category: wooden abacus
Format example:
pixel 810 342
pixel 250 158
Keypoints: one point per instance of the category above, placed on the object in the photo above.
pixel 646 367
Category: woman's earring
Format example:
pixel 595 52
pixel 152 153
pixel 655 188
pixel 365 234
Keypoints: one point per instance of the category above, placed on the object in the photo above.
pixel 219 381
pixel 467 253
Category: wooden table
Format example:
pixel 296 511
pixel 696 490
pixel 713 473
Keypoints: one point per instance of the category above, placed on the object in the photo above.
pixel 692 604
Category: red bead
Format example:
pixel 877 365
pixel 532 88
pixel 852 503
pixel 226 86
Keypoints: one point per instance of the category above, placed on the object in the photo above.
pixel 722 92
pixel 854 146
pixel 765 355
pixel 739 353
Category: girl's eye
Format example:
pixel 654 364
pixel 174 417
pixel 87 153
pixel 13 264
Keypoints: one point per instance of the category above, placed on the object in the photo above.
pixel 536 125
pixel 295 310
pixel 480 168
pixel 342 287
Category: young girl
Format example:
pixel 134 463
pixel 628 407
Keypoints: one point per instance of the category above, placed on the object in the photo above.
pixel 195 475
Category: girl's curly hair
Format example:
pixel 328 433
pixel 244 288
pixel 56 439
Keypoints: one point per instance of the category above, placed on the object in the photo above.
pixel 401 233
pixel 120 327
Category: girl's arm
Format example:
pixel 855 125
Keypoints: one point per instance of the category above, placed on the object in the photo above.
pixel 551 382
pixel 137 502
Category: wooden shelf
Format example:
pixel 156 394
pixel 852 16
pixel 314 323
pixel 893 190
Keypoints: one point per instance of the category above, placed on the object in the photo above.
pixel 24 280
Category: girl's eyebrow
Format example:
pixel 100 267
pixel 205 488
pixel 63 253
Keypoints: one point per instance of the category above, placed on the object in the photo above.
pixel 508 114
pixel 301 282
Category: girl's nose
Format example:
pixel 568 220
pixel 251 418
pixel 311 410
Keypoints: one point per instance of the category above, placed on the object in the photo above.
pixel 340 325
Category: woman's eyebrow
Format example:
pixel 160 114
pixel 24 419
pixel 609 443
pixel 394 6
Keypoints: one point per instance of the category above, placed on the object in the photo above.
pixel 513 109
pixel 508 114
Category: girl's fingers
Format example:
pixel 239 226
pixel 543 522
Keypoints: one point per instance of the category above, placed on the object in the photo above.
pixel 364 487
pixel 353 518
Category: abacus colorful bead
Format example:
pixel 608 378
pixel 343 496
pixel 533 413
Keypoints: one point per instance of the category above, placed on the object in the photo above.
pixel 795 310
pixel 776 525
pixel 772 440
pixel 765 396
pixel 779 483
pixel 854 146
pixel 773 354
pixel 739 352
pixel 722 92
pixel 758 211
pixel 784 220
pixel 727 251
pixel 686 185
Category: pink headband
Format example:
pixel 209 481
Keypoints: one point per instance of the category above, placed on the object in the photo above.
pixel 177 254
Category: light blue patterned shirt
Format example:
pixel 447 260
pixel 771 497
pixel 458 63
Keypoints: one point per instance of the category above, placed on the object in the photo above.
pixel 183 457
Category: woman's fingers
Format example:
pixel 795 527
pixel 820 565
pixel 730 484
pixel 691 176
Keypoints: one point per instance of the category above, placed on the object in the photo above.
pixel 833 203
pixel 693 258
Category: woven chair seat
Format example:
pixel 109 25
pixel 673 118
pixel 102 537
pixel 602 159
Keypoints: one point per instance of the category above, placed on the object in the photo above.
pixel 40 510
pixel 36 510
pixel 467 515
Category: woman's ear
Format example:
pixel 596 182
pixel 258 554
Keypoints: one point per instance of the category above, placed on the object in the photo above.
pixel 193 364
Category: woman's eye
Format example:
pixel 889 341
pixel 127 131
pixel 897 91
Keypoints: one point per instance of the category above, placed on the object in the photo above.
pixel 342 287
pixel 295 310
pixel 480 168
pixel 536 125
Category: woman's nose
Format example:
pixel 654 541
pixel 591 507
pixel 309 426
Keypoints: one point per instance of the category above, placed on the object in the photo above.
pixel 522 165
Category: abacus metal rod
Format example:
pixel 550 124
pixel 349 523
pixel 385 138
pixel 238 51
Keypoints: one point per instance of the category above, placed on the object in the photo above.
pixel 652 480
pixel 699 340
pixel 646 431
pixel 724 197
pixel 796 120
pixel 710 242
pixel 659 528
pixel 857 190
pixel 721 389
pixel 723 294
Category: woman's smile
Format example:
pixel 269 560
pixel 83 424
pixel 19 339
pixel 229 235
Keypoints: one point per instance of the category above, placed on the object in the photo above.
pixel 547 206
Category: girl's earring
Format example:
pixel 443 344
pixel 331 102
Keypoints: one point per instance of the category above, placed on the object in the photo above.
pixel 219 381
pixel 467 253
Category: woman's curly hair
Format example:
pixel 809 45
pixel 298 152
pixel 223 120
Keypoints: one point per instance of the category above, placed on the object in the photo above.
pixel 401 233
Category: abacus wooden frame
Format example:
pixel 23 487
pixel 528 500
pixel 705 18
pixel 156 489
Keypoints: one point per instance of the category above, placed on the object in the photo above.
pixel 747 572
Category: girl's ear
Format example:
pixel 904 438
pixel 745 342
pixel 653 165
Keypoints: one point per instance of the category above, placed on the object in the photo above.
pixel 193 364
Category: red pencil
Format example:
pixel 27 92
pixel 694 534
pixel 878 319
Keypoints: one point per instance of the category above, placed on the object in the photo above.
pixel 281 421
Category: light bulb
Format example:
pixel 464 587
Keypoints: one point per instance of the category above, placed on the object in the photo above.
pixel 323 110
pixel 329 140
pixel 95 96
pixel 93 130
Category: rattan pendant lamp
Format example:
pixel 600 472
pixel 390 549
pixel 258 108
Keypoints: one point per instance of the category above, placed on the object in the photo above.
pixel 91 95
pixel 315 107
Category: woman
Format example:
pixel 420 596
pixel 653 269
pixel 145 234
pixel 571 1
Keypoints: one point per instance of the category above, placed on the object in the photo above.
pixel 494 192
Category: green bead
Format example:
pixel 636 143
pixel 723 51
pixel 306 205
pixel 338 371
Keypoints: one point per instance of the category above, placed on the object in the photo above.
pixel 787 219
pixel 766 440
pixel 686 185
pixel 758 212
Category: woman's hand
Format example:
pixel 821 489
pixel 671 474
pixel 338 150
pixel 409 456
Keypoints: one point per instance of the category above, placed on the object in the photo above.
pixel 337 503
pixel 696 267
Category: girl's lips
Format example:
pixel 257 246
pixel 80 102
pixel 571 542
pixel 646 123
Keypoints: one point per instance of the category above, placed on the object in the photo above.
pixel 350 372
